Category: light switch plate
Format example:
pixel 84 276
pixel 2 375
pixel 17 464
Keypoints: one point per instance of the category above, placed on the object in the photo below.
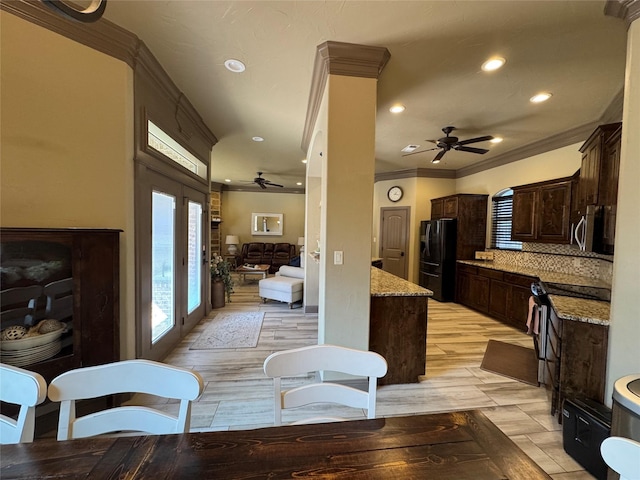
pixel 337 257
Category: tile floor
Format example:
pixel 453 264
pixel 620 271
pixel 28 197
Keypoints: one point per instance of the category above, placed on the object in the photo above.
pixel 239 396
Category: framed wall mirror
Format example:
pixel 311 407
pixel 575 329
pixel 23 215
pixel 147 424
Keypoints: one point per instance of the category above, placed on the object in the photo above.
pixel 266 224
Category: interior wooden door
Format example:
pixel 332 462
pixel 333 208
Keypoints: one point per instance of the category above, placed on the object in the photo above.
pixel 394 240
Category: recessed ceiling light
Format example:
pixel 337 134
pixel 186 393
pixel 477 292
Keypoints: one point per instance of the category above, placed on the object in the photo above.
pixel 235 66
pixel 298 183
pixel 228 180
pixel 540 97
pixel 496 140
pixel 409 148
pixel 397 109
pixel 304 160
pixel 435 161
pixel 493 64
pixel 257 139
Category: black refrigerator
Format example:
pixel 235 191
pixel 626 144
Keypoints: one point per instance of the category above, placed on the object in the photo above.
pixel 438 257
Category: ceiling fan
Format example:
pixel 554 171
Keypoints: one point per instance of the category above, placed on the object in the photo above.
pixel 447 143
pixel 263 182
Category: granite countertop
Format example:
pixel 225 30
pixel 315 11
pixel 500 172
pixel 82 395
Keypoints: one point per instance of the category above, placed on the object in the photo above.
pixel 384 284
pixel 580 309
pixel 567 308
pixel 544 275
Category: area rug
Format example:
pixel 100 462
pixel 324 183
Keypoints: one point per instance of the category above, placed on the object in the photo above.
pixel 230 330
pixel 513 361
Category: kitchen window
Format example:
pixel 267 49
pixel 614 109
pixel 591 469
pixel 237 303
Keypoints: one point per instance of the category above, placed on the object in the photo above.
pixel 502 208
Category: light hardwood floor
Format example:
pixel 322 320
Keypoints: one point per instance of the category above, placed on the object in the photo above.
pixel 239 396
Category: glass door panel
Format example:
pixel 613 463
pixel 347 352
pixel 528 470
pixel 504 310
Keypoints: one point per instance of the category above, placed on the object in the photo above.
pixel 196 264
pixel 194 256
pixel 163 253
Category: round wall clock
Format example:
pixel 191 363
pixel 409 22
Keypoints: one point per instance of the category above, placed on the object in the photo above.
pixel 394 194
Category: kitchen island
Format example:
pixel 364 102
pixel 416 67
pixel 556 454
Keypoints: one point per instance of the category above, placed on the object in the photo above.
pixel 398 326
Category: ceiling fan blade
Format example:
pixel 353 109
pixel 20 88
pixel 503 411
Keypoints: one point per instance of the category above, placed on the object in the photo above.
pixel 471 149
pixel 262 185
pixel 439 156
pixel 475 140
pixel 273 184
pixel 421 151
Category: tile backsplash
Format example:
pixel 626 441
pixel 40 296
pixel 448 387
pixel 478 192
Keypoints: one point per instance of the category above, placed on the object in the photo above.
pixel 559 258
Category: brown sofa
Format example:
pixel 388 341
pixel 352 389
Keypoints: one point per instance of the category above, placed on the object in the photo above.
pixel 274 254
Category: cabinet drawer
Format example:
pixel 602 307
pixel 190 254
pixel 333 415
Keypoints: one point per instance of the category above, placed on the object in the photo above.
pixel 467 269
pixel 522 280
pixel 489 273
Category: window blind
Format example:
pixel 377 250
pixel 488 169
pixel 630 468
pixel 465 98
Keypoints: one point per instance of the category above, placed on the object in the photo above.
pixel 502 208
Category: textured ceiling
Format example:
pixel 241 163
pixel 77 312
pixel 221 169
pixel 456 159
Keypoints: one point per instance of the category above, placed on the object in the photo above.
pixel 437 47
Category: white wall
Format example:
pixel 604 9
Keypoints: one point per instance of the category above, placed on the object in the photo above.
pixel 624 332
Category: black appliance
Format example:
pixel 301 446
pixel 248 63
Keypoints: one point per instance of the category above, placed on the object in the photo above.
pixel 438 257
pixel 585 425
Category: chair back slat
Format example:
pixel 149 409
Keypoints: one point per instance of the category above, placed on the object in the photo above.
pixel 324 358
pixel 129 376
pixel 26 389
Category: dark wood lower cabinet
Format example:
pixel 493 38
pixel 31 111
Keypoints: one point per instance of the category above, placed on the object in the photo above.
pixel 503 295
pixel 398 332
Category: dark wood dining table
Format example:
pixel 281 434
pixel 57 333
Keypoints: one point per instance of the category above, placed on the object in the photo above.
pixel 457 445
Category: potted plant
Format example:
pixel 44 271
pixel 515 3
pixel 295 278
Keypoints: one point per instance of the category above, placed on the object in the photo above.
pixel 221 281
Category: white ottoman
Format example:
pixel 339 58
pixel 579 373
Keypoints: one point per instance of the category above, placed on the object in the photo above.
pixel 283 289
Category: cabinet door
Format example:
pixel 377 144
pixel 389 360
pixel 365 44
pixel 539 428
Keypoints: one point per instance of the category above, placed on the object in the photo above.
pixel 479 292
pixel 498 299
pixel 451 207
pixel 609 191
pixel 463 288
pixel 523 225
pixel 518 306
pixel 554 209
pixel 590 171
pixel 437 209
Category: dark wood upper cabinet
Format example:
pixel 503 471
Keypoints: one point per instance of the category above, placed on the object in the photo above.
pixel 542 212
pixel 471 212
pixel 608 190
pixel 595 164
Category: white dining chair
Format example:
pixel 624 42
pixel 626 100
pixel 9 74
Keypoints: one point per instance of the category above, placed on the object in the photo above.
pixel 623 456
pixel 128 376
pixel 26 389
pixel 324 358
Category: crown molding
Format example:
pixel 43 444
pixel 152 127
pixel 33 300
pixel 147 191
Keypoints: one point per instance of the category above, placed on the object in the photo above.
pixel 110 39
pixel 102 35
pixel 575 135
pixel 415 173
pixel 628 10
pixel 338 58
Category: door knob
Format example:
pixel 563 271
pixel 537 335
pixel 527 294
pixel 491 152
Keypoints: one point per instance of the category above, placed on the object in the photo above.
pixel 402 254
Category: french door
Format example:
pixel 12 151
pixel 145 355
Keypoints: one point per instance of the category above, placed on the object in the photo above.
pixel 172 263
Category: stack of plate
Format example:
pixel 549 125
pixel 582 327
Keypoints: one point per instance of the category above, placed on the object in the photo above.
pixel 26 351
